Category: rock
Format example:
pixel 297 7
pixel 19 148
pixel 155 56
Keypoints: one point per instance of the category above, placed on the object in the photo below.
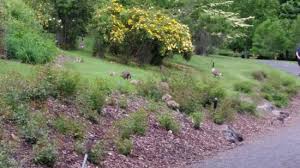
pixel 231 135
pixel 164 86
pixel 173 104
pixel 126 75
pixel 112 74
pixel 135 82
pixel 266 107
pixel 167 98
pixel 281 117
pixel 170 132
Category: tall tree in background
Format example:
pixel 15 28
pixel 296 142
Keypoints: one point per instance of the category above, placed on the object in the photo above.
pixel 67 18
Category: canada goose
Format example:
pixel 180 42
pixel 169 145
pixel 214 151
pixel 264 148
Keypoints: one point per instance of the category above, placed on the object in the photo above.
pixel 215 71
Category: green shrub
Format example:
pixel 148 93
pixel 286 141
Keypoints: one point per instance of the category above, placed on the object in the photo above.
pixel 168 122
pixel 224 112
pixel 69 127
pixel 259 75
pixel 45 154
pixel 136 123
pixel 91 99
pixel 210 90
pixel 123 103
pixel 150 89
pixel 247 107
pixel 67 83
pixel 197 118
pixel 124 146
pixel 96 154
pixel 278 89
pixel 79 147
pixel 184 92
pixel 24 38
pixel 35 128
pixel 6 161
pixel 244 87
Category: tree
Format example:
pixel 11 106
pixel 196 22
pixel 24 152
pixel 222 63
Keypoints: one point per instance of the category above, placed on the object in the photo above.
pixel 290 9
pixel 67 18
pixel 138 34
pixel 270 39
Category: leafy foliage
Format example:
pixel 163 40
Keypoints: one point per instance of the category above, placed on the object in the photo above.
pixel 25 39
pixel 147 36
pixel 168 122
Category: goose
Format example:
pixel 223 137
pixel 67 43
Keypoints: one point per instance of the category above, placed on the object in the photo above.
pixel 215 71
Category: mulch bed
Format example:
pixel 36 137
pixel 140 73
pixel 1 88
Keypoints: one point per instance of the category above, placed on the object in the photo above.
pixel 158 148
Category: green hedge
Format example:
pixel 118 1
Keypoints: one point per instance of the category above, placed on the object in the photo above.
pixel 25 39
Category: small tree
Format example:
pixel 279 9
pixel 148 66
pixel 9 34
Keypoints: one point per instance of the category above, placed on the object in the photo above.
pixel 270 39
pixel 67 18
pixel 140 35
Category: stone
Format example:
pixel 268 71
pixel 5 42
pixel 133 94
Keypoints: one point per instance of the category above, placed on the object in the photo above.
pixel 135 82
pixel 126 75
pixel 164 86
pixel 167 98
pixel 231 135
pixel 112 74
pixel 173 104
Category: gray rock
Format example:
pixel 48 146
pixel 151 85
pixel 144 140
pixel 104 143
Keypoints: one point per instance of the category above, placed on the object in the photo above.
pixel 231 135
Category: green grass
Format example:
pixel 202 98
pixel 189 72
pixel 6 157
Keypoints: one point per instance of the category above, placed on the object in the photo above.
pixel 234 70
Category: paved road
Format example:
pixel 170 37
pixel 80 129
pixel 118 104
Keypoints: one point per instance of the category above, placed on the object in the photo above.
pixel 290 67
pixel 280 149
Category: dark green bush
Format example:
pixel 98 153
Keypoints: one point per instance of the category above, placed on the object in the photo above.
pixel 184 92
pixel 247 107
pixel 96 154
pixel 136 123
pixel 168 122
pixel 45 153
pixel 244 87
pixel 197 118
pixel 24 38
pixel 124 146
pixel 6 161
pixel 224 112
pixel 67 83
pixel 69 127
pixel 259 75
pixel 150 89
pixel 34 129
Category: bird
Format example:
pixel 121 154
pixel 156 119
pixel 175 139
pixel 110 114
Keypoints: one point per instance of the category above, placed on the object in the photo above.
pixel 215 71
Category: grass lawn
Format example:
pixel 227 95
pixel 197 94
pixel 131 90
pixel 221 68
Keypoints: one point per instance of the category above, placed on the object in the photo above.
pixel 233 69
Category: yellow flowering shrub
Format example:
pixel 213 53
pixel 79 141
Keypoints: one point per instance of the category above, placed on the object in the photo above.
pixel 132 27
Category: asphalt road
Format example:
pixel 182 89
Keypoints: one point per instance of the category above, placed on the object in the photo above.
pixel 280 149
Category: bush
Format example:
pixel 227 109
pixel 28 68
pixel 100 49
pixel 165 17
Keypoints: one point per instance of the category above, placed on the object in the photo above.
pixel 124 146
pixel 224 112
pixel 96 153
pixel 67 83
pixel 6 160
pixel 197 118
pixel 69 127
pixel 45 154
pixel 244 87
pixel 91 99
pixel 136 123
pixel 259 75
pixel 150 89
pixel 25 39
pixel 140 35
pixel 34 128
pixel 168 122
pixel 210 90
pixel 184 92
pixel 246 107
